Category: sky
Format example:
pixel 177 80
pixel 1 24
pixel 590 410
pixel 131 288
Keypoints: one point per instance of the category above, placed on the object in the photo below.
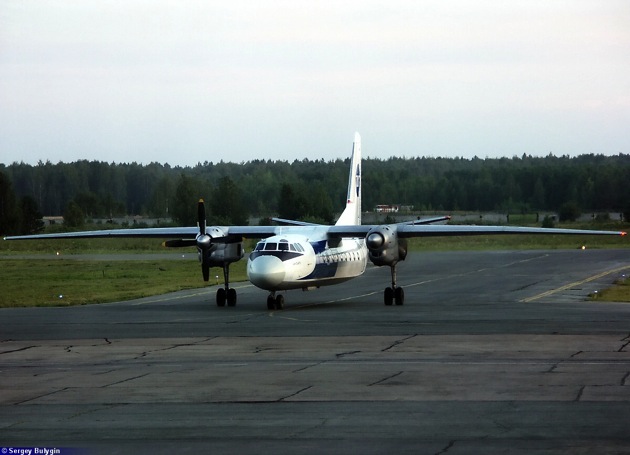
pixel 185 82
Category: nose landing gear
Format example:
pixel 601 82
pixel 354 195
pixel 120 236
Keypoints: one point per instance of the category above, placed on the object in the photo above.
pixel 275 302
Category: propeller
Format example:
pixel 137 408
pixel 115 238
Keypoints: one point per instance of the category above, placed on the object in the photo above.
pixel 203 241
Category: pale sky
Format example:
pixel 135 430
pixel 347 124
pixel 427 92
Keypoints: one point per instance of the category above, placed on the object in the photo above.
pixel 192 81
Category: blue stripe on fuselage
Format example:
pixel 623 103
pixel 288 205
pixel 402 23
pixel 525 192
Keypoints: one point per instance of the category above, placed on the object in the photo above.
pixel 323 270
pixel 319 247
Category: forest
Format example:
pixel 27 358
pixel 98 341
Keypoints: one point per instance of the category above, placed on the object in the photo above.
pixel 312 190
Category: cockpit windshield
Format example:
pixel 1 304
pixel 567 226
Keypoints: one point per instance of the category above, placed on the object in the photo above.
pixel 282 248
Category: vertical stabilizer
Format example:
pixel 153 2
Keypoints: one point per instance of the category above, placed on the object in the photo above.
pixel 351 216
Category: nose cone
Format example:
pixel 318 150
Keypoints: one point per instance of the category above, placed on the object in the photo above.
pixel 266 272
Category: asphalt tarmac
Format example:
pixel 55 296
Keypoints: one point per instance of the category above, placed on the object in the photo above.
pixel 493 352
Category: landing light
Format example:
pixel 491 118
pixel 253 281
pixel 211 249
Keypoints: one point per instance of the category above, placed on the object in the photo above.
pixel 583 247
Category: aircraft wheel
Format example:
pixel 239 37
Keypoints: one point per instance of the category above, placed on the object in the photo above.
pixel 231 297
pixel 399 296
pixel 221 297
pixel 389 296
pixel 271 303
pixel 279 302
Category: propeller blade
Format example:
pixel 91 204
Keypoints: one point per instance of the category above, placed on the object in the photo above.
pixel 205 270
pixel 179 243
pixel 201 216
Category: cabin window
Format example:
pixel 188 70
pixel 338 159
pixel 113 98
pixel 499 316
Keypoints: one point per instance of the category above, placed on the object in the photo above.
pixel 292 247
pixel 259 246
pixel 271 246
pixel 284 246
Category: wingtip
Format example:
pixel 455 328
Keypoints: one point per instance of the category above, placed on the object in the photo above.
pixel 623 234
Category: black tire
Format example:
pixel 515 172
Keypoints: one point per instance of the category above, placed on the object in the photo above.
pixel 221 297
pixel 280 302
pixel 271 303
pixel 399 296
pixel 231 297
pixel 389 296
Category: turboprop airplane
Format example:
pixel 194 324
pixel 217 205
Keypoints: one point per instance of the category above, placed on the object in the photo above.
pixel 300 255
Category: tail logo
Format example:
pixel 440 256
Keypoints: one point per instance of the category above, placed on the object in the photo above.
pixel 358 179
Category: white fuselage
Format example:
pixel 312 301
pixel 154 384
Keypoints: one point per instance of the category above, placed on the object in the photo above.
pixel 298 261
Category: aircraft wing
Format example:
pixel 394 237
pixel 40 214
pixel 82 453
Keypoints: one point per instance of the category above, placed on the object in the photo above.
pixel 404 231
pixel 169 232
pixel 158 233
pixel 424 230
pixel 409 230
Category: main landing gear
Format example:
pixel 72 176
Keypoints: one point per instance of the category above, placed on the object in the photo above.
pixel 275 302
pixel 395 293
pixel 226 294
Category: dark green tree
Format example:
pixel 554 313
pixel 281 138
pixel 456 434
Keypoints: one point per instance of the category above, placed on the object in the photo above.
pixel 162 198
pixel 227 204
pixel 184 208
pixel 31 219
pixel 569 211
pixel 321 207
pixel 9 209
pixel 292 203
pixel 73 216
pixel 90 204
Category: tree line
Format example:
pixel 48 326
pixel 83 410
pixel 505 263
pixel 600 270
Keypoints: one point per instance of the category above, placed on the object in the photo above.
pixel 307 189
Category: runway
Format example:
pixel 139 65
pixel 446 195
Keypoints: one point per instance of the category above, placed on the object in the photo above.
pixel 492 352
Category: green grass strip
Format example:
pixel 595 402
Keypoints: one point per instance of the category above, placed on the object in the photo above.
pixel 65 282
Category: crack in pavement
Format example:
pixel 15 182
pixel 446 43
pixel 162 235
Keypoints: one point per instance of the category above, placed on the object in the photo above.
pixel 309 366
pixel 447 448
pixel 296 393
pixel 18 350
pixel 343 354
pixel 580 392
pixel 44 395
pixel 175 346
pixel 386 378
pixel 125 380
pixel 397 342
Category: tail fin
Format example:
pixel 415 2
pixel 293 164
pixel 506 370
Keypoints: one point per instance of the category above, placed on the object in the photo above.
pixel 351 216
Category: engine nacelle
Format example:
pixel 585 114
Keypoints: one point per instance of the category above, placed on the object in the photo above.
pixel 217 253
pixel 384 246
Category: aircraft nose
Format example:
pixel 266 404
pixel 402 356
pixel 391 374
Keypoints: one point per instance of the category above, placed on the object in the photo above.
pixel 266 272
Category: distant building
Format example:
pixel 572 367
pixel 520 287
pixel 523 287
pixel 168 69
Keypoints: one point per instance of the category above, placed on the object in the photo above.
pixel 51 220
pixel 387 209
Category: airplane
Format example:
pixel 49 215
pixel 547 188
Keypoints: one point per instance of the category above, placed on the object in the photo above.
pixel 301 255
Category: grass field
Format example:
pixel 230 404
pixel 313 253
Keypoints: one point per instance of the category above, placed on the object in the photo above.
pixel 59 281
pixel 619 292
pixel 64 282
